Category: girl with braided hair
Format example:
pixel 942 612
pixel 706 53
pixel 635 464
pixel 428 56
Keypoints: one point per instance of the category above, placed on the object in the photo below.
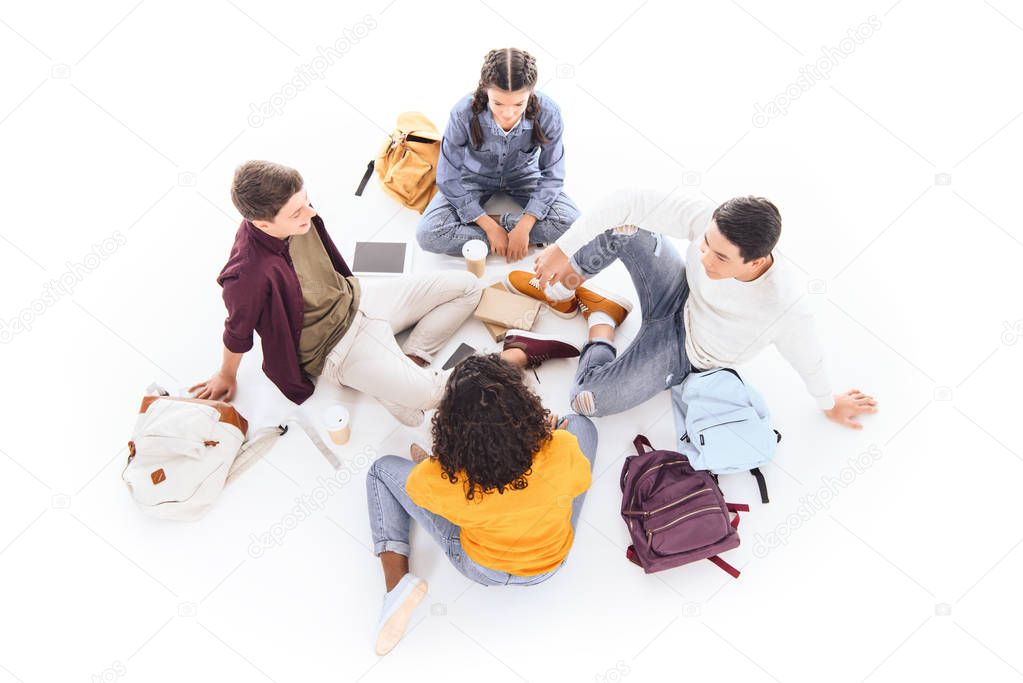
pixel 504 137
pixel 501 494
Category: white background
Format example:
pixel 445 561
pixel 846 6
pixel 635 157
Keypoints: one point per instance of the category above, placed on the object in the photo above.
pixel 898 179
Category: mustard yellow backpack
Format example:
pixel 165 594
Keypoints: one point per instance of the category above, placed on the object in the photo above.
pixel 407 163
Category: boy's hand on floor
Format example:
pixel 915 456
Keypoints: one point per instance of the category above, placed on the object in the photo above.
pixel 552 265
pixel 220 387
pixel 850 404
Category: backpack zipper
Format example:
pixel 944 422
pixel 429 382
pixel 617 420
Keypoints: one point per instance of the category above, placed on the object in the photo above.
pixel 677 502
pixel 658 466
pixel 650 533
pixel 648 471
pixel 163 439
pixel 713 426
pixel 645 514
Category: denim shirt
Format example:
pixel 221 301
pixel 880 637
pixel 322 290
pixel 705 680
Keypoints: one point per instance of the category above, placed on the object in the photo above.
pixel 509 162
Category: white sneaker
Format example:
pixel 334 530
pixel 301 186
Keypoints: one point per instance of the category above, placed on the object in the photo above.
pixel 399 604
pixel 410 417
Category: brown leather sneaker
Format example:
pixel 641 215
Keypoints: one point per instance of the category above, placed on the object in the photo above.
pixel 526 283
pixel 591 299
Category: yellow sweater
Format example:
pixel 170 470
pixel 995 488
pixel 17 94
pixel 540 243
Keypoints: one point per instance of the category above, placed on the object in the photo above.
pixel 524 532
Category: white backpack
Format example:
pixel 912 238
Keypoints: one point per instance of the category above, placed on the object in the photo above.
pixel 184 451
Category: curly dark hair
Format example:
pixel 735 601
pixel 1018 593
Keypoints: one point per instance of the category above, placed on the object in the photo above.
pixel 488 426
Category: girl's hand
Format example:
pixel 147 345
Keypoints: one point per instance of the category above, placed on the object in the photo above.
pixel 496 235
pixel 518 243
pixel 552 420
pixel 498 242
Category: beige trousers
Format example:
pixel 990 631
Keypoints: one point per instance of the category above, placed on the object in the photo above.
pixel 369 359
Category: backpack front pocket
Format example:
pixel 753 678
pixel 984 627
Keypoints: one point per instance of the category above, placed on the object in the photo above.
pixel 177 428
pixel 687 531
pixel 737 441
pixel 408 174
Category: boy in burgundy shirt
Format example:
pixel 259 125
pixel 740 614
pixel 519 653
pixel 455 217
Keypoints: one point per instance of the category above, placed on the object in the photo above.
pixel 286 280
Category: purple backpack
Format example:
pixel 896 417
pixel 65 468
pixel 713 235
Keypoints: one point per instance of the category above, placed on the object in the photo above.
pixel 675 514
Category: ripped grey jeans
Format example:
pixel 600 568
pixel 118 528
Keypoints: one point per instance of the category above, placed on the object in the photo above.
pixel 606 382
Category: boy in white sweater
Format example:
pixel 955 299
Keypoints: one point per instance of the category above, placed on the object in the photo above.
pixel 719 307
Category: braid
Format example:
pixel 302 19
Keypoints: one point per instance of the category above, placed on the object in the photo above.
pixel 488 76
pixel 528 68
pixel 508 69
pixel 529 76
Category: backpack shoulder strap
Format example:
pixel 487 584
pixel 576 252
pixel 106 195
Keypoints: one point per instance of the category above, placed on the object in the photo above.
pixel 254 448
pixel 732 571
pixel 365 177
pixel 761 484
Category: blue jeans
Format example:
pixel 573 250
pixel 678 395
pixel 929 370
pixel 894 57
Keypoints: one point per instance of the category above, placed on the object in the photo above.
pixel 441 231
pixel 608 383
pixel 391 512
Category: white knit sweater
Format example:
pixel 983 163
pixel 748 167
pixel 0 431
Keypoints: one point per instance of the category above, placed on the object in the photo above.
pixel 727 322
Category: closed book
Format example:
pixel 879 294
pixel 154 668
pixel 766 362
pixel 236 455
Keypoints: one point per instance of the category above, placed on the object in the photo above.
pixel 496 331
pixel 506 309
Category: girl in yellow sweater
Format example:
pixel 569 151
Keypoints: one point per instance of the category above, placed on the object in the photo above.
pixel 501 495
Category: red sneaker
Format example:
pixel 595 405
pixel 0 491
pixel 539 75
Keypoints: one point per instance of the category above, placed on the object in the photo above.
pixel 539 347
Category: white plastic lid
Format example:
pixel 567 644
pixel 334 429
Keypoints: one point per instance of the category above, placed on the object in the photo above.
pixel 475 249
pixel 336 417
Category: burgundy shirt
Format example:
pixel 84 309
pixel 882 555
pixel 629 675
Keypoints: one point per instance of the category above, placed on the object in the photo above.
pixel 262 294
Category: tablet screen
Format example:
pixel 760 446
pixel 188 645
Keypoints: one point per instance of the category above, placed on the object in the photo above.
pixel 379 257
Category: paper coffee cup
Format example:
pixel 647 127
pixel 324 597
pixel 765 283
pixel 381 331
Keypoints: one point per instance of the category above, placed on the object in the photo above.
pixel 475 253
pixel 338 423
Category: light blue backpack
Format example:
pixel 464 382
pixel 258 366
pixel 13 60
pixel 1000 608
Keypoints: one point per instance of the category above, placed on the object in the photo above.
pixel 723 424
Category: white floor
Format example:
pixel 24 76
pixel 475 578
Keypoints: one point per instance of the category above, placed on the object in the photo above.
pixel 890 553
